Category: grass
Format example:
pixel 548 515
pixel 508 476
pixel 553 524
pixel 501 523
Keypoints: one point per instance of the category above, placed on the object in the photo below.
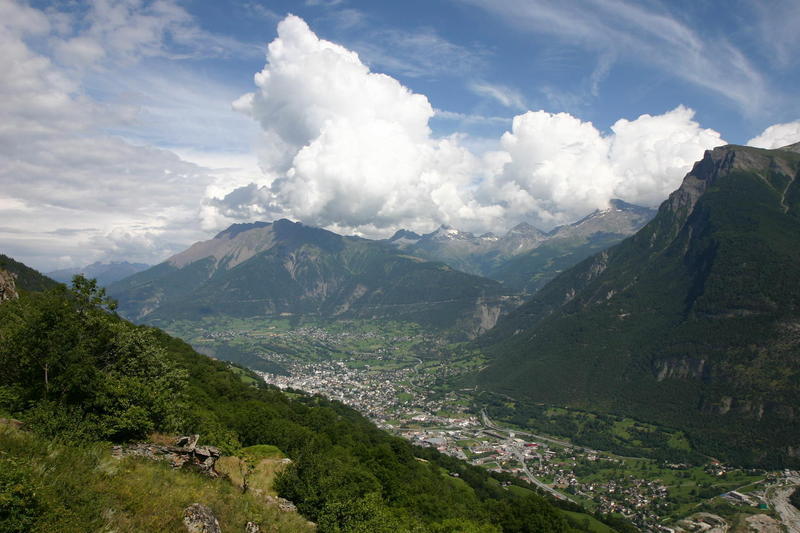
pixel 588 521
pixel 86 489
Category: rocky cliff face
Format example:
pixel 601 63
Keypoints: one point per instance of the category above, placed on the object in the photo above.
pixel 8 287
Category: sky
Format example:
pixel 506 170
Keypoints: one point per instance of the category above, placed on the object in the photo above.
pixel 130 129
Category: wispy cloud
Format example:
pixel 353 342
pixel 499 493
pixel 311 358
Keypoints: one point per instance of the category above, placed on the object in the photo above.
pixel 777 26
pixel 419 54
pixel 644 33
pixel 507 96
pixel 467 118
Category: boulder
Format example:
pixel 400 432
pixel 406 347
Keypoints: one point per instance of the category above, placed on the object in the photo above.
pixel 198 518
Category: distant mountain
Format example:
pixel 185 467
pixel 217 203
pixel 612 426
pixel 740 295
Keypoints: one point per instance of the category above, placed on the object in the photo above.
pixel 285 267
pixel 694 322
pixel 568 245
pixel 26 278
pixel 526 258
pixel 104 273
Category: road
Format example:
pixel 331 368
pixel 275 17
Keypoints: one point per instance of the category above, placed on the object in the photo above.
pixel 521 456
pixel 778 499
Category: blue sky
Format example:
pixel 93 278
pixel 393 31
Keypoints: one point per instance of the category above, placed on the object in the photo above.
pixel 121 140
pixel 444 49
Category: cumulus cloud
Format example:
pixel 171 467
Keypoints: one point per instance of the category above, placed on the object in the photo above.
pixel 560 168
pixel 777 136
pixel 348 148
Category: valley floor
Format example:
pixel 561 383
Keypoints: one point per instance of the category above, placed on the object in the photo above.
pixel 409 382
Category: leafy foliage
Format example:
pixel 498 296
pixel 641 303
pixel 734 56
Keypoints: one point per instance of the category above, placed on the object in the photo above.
pixel 20 508
pixel 84 372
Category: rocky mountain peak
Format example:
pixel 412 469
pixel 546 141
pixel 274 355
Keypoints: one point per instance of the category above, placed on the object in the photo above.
pixel 523 228
pixel 405 234
pixel 445 232
pixel 235 229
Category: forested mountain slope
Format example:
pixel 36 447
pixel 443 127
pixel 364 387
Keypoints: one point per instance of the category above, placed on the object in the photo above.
pixel 693 322
pixel 288 268
pixel 26 278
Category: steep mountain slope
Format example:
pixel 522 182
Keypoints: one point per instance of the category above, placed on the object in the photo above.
pixel 285 267
pixel 566 246
pixel 525 258
pixel 104 273
pixel 693 322
pixel 26 278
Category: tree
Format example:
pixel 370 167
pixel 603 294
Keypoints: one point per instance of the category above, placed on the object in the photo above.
pixel 67 353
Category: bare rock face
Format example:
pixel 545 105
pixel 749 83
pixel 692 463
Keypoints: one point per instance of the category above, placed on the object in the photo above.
pixel 8 288
pixel 283 504
pixel 198 518
pixel 185 452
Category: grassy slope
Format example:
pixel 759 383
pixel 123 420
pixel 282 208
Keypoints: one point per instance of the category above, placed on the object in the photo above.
pixel 85 489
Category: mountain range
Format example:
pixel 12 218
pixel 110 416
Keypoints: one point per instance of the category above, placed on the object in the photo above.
pixel 287 268
pixel 526 258
pixel 104 273
pixel 693 322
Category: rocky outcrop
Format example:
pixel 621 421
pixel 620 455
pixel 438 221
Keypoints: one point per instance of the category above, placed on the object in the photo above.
pixel 8 288
pixel 680 368
pixel 281 503
pixel 185 452
pixel 199 518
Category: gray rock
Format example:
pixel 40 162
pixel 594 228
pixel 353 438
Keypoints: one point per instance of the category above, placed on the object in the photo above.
pixel 202 458
pixel 8 288
pixel 252 527
pixel 188 442
pixel 198 518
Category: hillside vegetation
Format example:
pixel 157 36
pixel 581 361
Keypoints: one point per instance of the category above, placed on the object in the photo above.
pixel 692 323
pixel 79 376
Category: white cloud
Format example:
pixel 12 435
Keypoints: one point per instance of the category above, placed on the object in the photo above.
pixel 777 136
pixel 560 167
pixel 71 191
pixel 507 96
pixel 419 54
pixel 348 148
pixel 129 30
